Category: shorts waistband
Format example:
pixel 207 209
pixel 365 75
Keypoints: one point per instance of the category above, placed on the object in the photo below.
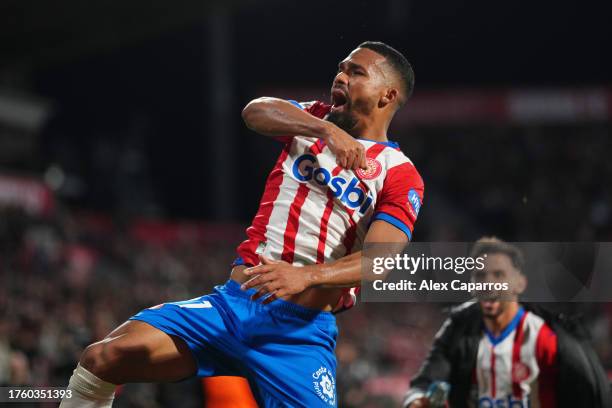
pixel 233 288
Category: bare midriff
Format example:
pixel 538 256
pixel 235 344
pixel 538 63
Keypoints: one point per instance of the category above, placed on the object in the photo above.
pixel 324 299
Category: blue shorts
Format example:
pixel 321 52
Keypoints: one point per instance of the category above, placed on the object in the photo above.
pixel 286 351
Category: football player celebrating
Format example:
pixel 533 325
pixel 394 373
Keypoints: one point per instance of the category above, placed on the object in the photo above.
pixel 338 183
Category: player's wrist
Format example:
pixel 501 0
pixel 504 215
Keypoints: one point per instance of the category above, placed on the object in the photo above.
pixel 325 130
pixel 314 275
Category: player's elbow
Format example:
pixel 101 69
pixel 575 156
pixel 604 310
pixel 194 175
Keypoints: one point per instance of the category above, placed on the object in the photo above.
pixel 253 112
pixel 249 111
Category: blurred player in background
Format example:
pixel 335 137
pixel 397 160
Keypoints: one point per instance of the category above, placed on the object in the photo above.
pixel 338 183
pixel 501 353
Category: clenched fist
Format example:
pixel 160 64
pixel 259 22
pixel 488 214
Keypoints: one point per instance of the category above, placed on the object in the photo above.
pixel 350 154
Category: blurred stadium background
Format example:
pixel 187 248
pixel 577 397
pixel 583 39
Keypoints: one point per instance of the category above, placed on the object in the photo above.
pixel 127 176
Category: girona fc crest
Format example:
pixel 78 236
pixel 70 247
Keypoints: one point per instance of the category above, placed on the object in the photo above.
pixel 374 169
pixel 520 372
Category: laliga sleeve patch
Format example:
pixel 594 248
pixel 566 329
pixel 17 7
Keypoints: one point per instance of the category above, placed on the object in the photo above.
pixel 414 201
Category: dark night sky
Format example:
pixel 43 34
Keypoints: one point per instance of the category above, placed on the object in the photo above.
pixel 162 79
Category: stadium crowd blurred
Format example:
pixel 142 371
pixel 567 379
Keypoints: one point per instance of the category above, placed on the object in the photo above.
pixel 521 183
pixel 68 279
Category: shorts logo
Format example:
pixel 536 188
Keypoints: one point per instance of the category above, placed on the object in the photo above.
pixel 325 385
pixel 374 169
pixel 415 201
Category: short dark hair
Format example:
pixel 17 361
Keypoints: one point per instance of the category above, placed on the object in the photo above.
pixel 398 62
pixel 493 245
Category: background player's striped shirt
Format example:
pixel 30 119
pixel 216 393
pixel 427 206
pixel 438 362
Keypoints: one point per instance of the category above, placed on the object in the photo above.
pixel 517 369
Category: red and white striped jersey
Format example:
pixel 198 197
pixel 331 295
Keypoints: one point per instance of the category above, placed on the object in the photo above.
pixel 313 211
pixel 517 369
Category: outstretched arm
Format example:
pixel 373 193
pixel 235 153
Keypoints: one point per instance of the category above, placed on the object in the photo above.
pixel 279 279
pixel 279 118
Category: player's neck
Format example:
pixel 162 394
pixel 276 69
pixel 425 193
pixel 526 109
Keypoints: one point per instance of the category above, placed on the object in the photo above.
pixel 372 129
pixel 498 323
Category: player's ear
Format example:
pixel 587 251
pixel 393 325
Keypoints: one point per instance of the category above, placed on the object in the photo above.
pixel 521 284
pixel 389 97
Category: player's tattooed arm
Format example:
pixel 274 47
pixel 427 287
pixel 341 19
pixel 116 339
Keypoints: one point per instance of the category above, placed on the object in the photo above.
pixel 277 279
pixel 279 118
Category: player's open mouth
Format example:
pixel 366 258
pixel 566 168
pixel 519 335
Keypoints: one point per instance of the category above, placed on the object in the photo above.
pixel 339 98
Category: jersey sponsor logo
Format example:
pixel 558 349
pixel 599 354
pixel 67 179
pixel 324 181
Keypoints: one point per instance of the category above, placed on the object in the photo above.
pixel 325 385
pixel 506 402
pixel 374 169
pixel 349 191
pixel 415 201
